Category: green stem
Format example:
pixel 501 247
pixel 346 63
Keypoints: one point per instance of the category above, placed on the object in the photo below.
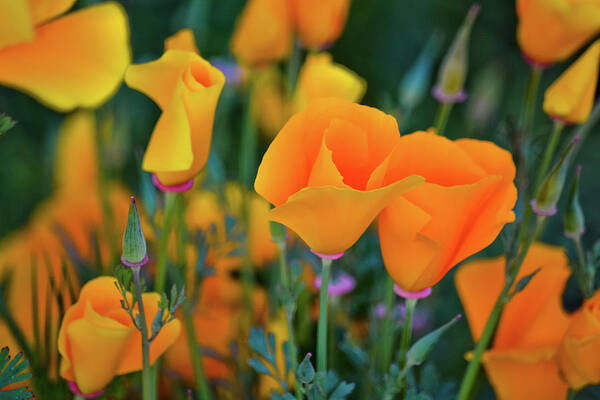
pixel 78 397
pixel 572 394
pixel 289 313
pixel 405 340
pixel 163 244
pixel 148 391
pixel 387 330
pixel 548 155
pixel 530 99
pixel 322 327
pixel 293 67
pixel 442 117
pixel 195 353
pixel 490 327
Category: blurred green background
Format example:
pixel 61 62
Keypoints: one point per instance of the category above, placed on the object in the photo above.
pixel 381 40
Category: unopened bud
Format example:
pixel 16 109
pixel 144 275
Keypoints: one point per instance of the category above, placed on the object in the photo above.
pixel 574 219
pixel 453 72
pixel 547 196
pixel 413 86
pixel 134 243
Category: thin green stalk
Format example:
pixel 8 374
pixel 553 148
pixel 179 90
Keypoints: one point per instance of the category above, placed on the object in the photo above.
pixel 583 280
pixel 405 340
pixel 286 283
pixel 442 117
pixel 387 329
pixel 148 391
pixel 572 394
pixel 530 99
pixel 490 327
pixel 78 397
pixel 293 67
pixel 163 244
pixel 322 327
pixel 548 155
pixel 202 385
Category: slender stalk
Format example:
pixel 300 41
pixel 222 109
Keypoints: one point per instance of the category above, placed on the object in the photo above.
pixel 148 391
pixel 490 327
pixel 572 394
pixel 163 244
pixel 387 329
pixel 322 327
pixel 442 117
pixel 78 397
pixel 407 329
pixel 202 385
pixel 286 283
pixel 293 67
pixel 548 155
pixel 530 99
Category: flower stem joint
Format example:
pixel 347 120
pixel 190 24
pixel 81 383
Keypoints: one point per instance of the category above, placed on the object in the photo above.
pixel 135 253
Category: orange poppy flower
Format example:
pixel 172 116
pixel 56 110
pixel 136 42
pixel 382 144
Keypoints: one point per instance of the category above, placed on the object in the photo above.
pixel 98 340
pixel 552 30
pixel 571 97
pixel 319 22
pixel 263 32
pixel 75 60
pixel 320 77
pixel 316 170
pixel 186 88
pixel 467 197
pixel 579 351
pixel 521 362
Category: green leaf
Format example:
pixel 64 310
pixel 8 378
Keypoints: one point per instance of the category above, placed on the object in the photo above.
pixel 13 371
pixel 523 282
pixel 430 380
pixel 279 396
pixel 259 366
pixel 6 124
pixel 258 343
pixel 343 389
pixel 305 372
pixel 422 347
pixel 287 354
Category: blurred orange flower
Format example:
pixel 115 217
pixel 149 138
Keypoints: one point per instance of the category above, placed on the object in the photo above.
pixel 186 88
pixel 269 101
pixel 319 22
pixel 263 32
pixel 552 30
pixel 64 61
pixel 531 327
pixel 579 351
pixel 320 77
pixel 316 170
pixel 98 340
pixel 467 197
pixel 182 40
pixel 571 97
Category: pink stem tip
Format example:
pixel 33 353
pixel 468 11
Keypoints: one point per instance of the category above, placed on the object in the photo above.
pixel 421 294
pixel 182 187
pixel 328 256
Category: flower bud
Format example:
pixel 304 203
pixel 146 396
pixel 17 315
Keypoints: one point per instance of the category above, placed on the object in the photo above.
pixel 574 219
pixel 548 194
pixel 414 85
pixel 134 243
pixel 453 72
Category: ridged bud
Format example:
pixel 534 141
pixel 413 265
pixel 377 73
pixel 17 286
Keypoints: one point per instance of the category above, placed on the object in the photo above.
pixel 134 244
pixel 574 219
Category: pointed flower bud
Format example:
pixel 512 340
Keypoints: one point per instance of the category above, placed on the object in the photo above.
pixel 547 196
pixel 414 85
pixel 453 72
pixel 134 243
pixel 574 219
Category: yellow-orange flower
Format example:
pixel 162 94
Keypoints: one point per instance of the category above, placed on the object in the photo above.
pixel 64 61
pixel 182 40
pixel 186 88
pixel 579 351
pixel 467 197
pixel 552 30
pixel 319 22
pixel 521 363
pixel 316 170
pixel 320 77
pixel 263 32
pixel 571 97
pixel 276 325
pixel 98 340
